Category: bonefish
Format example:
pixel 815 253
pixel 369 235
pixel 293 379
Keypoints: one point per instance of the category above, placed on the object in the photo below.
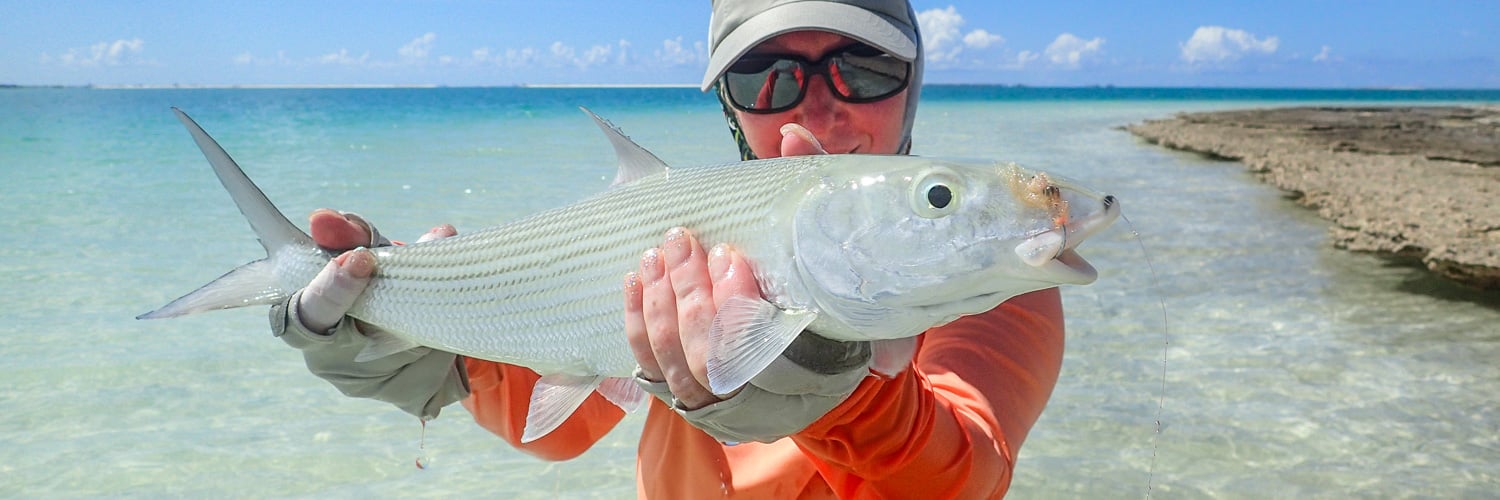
pixel 850 247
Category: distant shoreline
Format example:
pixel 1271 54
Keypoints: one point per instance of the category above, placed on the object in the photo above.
pixel 174 86
pixel 232 86
pixel 338 86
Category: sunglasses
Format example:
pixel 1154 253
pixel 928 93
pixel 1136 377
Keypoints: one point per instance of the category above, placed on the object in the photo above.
pixel 772 83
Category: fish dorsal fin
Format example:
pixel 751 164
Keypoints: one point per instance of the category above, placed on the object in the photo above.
pixel 553 399
pixel 746 336
pixel 635 161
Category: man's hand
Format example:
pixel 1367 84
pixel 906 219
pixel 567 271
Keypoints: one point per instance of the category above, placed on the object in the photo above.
pixel 328 296
pixel 670 304
pixel 420 381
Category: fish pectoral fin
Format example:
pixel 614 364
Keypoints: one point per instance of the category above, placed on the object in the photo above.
pixel 635 161
pixel 746 336
pixel 382 343
pixel 247 285
pixel 624 393
pixel 890 357
pixel 553 399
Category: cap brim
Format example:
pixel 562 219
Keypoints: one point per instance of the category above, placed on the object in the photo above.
pixel 874 29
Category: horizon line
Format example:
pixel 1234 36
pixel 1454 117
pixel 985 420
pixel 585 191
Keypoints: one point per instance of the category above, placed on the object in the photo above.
pixel 254 86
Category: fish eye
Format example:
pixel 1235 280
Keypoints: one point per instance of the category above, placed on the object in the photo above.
pixel 935 195
pixel 938 196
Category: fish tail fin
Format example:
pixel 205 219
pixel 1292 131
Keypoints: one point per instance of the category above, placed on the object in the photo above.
pixel 247 285
pixel 253 283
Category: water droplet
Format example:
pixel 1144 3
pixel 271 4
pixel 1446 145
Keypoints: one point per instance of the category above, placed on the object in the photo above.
pixel 423 461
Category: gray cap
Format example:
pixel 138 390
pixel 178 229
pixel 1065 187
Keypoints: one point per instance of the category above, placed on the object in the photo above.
pixel 739 25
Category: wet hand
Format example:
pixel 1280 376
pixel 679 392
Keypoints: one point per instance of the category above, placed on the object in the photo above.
pixel 328 296
pixel 670 303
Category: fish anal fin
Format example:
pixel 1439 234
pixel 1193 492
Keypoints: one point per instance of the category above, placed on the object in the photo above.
pixel 553 399
pixel 746 336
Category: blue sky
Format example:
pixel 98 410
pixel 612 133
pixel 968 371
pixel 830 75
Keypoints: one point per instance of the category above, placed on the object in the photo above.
pixel 1279 43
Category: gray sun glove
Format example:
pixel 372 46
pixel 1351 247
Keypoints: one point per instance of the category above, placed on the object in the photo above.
pixel 812 376
pixel 420 381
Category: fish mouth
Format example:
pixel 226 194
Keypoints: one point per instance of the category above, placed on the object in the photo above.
pixel 1052 250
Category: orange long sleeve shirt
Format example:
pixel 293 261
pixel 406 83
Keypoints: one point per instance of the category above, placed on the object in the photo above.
pixel 947 427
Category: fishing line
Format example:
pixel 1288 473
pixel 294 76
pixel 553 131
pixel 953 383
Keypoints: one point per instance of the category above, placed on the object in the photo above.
pixel 1161 395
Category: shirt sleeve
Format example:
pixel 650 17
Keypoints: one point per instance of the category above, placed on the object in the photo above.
pixel 955 418
pixel 500 395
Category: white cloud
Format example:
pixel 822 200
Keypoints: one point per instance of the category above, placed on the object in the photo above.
pixel 623 56
pixel 1213 44
pixel 116 53
pixel 940 33
pixel 562 53
pixel 596 55
pixel 1026 57
pixel 342 58
pixel 1326 55
pixel 557 54
pixel 981 39
pixel 421 51
pixel 1069 50
pixel 674 53
pixel 943 38
pixel 418 48
pixel 246 58
pixel 520 58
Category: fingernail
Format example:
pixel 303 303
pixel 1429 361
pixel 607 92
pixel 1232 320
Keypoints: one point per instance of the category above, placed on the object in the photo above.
pixel 806 135
pixel 632 287
pixel 718 262
pixel 651 269
pixel 676 247
pixel 347 266
pixel 316 212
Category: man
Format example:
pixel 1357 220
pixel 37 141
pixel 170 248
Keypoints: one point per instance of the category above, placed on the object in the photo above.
pixel 795 77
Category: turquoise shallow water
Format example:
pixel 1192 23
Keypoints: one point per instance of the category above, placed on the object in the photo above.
pixel 1293 369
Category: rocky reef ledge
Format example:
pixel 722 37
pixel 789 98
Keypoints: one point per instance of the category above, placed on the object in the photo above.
pixel 1418 183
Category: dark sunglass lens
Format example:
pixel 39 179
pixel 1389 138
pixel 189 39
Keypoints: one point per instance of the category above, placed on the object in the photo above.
pixel 872 77
pixel 764 85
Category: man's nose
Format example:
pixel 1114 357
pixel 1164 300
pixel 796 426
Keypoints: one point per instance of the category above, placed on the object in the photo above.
pixel 819 106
